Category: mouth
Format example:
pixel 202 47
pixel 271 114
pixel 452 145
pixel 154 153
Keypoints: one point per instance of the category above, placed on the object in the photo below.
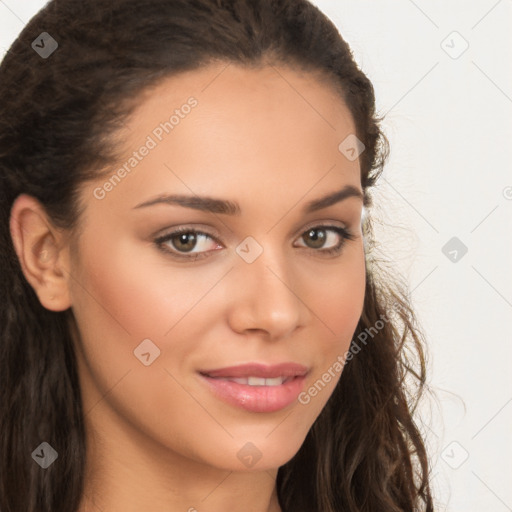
pixel 257 387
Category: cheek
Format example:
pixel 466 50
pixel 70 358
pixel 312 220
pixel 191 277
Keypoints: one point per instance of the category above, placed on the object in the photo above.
pixel 122 296
pixel 340 300
pixel 339 304
pixel 130 291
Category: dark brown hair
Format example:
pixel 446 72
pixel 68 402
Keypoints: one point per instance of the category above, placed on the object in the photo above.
pixel 58 116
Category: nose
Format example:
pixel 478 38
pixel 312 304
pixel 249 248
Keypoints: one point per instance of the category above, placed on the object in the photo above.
pixel 266 298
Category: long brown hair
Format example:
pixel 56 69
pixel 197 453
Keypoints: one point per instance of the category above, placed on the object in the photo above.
pixel 57 113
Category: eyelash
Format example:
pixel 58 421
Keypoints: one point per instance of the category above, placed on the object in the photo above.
pixel 160 241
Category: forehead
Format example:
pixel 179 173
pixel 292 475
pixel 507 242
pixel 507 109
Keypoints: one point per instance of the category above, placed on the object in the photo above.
pixel 225 126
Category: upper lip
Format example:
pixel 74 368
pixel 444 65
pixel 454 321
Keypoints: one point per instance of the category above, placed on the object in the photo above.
pixel 258 370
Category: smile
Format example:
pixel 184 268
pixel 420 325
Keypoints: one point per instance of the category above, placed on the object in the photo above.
pixel 255 387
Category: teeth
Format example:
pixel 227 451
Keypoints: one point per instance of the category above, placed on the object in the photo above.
pixel 259 381
pixel 276 381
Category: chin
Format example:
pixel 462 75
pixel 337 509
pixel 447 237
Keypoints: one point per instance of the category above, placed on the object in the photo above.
pixel 257 453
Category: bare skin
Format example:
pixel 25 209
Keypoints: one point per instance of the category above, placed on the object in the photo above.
pixel 158 438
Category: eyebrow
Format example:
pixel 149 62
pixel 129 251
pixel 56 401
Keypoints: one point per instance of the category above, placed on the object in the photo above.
pixel 226 207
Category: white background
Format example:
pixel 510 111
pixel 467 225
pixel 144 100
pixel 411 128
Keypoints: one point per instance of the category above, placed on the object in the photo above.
pixel 449 175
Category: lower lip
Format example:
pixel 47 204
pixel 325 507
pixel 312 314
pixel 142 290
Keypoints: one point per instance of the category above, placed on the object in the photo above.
pixel 257 398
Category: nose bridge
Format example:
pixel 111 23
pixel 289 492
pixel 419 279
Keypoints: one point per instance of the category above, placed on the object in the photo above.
pixel 265 296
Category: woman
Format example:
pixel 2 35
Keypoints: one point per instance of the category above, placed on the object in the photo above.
pixel 192 318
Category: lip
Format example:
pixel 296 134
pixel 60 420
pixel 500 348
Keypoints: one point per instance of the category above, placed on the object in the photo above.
pixel 257 398
pixel 258 370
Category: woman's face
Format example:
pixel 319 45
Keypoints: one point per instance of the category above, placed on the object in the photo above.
pixel 198 345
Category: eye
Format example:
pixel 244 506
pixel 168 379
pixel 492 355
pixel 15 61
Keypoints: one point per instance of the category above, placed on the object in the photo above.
pixel 183 242
pixel 326 239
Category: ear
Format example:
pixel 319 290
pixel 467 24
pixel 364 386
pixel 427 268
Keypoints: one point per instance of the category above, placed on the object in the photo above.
pixel 42 252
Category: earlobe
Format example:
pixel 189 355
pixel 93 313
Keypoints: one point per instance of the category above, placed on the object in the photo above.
pixel 38 246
